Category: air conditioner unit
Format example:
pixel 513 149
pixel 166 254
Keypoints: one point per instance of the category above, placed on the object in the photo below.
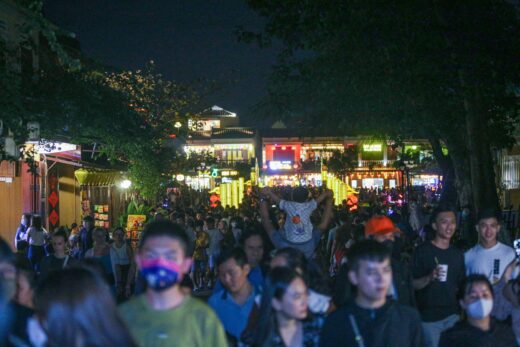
pixel 34 131
pixel 10 148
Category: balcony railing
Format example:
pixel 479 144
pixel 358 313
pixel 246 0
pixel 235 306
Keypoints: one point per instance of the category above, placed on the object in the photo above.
pixel 234 163
pixel 376 163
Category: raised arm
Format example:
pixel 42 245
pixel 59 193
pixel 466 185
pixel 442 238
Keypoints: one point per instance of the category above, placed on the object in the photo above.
pixel 327 214
pixel 266 221
pixel 266 191
pixel 324 195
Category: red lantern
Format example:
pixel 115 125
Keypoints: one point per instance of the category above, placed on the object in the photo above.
pixel 213 199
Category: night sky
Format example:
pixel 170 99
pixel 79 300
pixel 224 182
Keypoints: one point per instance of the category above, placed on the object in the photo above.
pixel 187 39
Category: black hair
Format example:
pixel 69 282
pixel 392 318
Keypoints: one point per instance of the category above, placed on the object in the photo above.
pixel 235 253
pixel 295 258
pixel 489 213
pixel 29 274
pixel 343 235
pixel 86 300
pixel 310 270
pixel 61 233
pixel 249 232
pixel 210 221
pixel 276 284
pixel 6 254
pixel 73 225
pixel 166 228
pixel 27 217
pixel 36 221
pixel 344 217
pixel 88 218
pixel 300 194
pixel 442 209
pixel 468 283
pixel 199 224
pixel 367 250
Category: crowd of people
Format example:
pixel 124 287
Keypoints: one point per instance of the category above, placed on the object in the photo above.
pixel 288 268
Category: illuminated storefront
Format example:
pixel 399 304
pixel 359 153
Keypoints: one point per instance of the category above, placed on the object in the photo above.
pixel 425 180
pixel 375 179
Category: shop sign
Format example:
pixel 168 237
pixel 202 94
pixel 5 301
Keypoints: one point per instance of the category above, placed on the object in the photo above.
pixel 229 173
pixel 375 147
pixel 6 179
pixel 280 165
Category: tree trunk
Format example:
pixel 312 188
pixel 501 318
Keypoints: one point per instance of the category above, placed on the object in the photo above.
pixel 449 189
pixel 460 161
pixel 480 158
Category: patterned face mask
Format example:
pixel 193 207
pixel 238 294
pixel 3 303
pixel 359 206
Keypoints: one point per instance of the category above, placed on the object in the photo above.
pixel 161 274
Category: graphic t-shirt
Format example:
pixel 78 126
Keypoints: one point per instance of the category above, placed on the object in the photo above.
pixel 298 226
pixel 490 262
pixel 192 324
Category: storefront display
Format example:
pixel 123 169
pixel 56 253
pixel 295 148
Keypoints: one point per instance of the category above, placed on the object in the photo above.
pixel 101 217
pixel 134 227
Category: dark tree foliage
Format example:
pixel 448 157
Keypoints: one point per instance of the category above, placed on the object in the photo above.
pixel 446 71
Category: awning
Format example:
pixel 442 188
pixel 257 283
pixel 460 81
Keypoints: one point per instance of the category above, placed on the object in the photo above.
pixel 90 177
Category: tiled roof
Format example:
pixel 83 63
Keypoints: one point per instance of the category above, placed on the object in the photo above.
pixel 216 111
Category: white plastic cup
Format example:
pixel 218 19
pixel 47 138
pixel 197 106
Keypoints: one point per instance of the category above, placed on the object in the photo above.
pixel 442 271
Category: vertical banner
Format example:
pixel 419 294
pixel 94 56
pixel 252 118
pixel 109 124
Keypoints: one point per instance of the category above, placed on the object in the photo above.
pixel 234 193
pixel 53 200
pixel 224 198
pixel 240 189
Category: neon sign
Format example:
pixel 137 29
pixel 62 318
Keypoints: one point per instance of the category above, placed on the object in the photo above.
pixel 280 165
pixel 376 147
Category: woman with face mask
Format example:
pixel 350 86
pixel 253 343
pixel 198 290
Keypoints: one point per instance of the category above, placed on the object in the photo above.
pixel 479 329
pixel 84 300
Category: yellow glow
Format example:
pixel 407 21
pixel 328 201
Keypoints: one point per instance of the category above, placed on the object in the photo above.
pixel 375 147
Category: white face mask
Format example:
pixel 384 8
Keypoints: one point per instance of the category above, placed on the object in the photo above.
pixel 480 308
pixel 36 334
pixel 233 224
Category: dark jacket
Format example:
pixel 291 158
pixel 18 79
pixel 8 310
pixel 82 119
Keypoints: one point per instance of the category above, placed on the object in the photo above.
pixel 392 325
pixel 15 317
pixel 465 335
pixel 86 240
pixel 401 278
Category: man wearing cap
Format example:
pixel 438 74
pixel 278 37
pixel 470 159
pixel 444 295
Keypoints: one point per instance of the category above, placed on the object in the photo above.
pixel 383 230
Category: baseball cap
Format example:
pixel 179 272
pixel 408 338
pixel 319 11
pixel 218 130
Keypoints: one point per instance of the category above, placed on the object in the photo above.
pixel 380 225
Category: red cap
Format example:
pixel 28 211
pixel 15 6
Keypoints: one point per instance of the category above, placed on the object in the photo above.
pixel 380 225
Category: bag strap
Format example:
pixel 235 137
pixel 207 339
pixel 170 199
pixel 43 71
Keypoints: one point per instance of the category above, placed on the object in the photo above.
pixel 358 337
pixel 65 262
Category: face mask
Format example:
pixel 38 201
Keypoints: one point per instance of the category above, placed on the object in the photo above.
pixel 161 274
pixel 480 308
pixel 233 224
pixel 36 333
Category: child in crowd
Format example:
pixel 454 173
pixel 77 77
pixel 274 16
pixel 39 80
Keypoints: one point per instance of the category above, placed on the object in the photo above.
pixel 298 226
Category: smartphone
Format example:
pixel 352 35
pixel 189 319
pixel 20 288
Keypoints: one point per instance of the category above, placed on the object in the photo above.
pixel 516 245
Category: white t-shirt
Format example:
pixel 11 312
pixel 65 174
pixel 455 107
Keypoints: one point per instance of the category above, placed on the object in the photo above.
pixel 298 226
pixel 36 237
pixel 490 262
